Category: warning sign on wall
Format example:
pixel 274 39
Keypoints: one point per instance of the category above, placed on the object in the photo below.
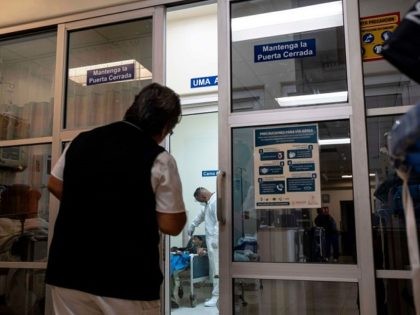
pixel 374 31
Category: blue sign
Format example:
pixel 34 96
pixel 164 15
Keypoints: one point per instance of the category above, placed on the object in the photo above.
pixel 299 154
pixel 298 134
pixel 271 170
pixel 286 50
pixel 204 82
pixel 303 167
pixel 110 74
pixel 209 173
pixel 300 184
pixel 269 156
pixel 272 187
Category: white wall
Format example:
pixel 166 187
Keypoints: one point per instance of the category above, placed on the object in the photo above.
pixel 191 48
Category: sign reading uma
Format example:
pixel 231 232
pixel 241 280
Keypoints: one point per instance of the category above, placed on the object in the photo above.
pixel 204 81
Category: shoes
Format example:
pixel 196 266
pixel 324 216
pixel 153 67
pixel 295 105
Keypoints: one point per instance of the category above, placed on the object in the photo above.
pixel 211 302
pixel 174 304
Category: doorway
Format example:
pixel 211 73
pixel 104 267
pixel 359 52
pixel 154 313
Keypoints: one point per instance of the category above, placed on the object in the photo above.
pixel 194 146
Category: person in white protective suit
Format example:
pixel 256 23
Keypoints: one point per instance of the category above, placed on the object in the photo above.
pixel 208 214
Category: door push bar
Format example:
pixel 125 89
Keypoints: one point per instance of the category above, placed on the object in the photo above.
pixel 219 191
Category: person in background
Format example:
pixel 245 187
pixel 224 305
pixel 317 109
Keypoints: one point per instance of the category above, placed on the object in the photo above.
pixel 325 220
pixel 208 215
pixel 179 261
pixel 117 188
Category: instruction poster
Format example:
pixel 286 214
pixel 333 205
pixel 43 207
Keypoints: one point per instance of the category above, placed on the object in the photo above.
pixel 286 167
pixel 374 31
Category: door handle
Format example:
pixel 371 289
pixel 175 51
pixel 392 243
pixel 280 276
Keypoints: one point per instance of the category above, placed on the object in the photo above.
pixel 219 189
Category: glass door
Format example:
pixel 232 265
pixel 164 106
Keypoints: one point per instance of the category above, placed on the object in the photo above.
pixel 191 70
pixel 290 203
pixel 102 64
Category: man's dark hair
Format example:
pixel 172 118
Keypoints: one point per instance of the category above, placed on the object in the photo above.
pixel 155 108
pixel 198 191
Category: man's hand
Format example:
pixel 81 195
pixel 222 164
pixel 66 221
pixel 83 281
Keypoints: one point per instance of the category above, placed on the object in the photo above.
pixel 201 251
pixel 190 230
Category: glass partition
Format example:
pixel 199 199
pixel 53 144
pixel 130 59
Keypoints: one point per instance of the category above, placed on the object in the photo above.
pixel 24 202
pixel 283 297
pixel 293 194
pixel 287 54
pixel 22 291
pixel 385 86
pixel 27 66
pixel 394 296
pixel 107 67
pixel 388 220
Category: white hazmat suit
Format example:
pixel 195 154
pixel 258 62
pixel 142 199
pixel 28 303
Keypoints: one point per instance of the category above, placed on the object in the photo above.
pixel 208 214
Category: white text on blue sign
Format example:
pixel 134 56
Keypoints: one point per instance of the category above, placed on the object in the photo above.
pixel 204 82
pixel 110 74
pixel 286 50
pixel 209 173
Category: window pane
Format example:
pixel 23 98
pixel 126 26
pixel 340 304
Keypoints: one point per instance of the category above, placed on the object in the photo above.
pixel 385 86
pixel 394 296
pixel 27 66
pixel 283 225
pixel 278 61
pixel 388 220
pixel 108 65
pixel 24 202
pixel 282 297
pixel 22 291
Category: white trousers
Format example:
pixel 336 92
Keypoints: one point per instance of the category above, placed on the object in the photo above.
pixel 74 302
pixel 213 252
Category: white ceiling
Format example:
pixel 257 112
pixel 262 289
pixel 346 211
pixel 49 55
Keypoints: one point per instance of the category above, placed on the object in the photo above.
pixel 24 11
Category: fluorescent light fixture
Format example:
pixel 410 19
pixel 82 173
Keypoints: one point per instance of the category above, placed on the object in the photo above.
pixel 333 141
pixel 79 75
pixel 311 99
pixel 303 19
pixel 351 176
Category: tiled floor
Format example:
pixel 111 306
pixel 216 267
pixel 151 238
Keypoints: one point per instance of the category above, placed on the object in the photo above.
pixel 202 292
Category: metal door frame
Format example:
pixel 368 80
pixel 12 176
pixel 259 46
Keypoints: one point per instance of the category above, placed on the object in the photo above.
pixel 362 272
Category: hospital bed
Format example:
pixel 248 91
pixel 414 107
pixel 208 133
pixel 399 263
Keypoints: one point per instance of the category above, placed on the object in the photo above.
pixel 196 272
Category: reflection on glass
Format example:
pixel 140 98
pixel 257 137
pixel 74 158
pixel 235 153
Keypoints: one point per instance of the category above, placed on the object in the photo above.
pixel 388 221
pixel 24 202
pixel 296 233
pixel 273 68
pixel 22 291
pixel 27 68
pixel 107 67
pixel 385 86
pixel 282 297
pixel 394 296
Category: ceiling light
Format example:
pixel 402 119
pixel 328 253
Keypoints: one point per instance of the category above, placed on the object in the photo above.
pixel 333 141
pixel 80 74
pixel 303 19
pixel 311 99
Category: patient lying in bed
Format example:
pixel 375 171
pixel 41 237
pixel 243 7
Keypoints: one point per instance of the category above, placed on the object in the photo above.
pixel 180 261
